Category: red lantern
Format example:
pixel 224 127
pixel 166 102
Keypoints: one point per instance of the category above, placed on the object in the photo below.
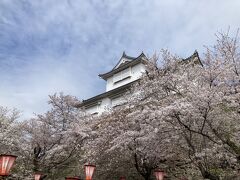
pixel 37 176
pixel 159 174
pixel 89 169
pixel 72 178
pixel 122 178
pixel 6 163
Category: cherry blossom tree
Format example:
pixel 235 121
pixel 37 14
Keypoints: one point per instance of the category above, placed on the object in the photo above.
pixel 53 145
pixel 8 134
pixel 202 102
pixel 12 141
pixel 136 136
pixel 182 116
pixel 207 110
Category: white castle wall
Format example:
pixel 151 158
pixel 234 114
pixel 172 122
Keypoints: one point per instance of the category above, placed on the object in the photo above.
pixel 136 72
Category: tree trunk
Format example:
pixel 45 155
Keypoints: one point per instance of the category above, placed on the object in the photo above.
pixel 147 177
pixel 206 174
pixel 211 176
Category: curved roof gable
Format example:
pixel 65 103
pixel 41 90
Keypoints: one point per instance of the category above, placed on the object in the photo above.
pixel 124 62
pixel 124 59
pixel 194 57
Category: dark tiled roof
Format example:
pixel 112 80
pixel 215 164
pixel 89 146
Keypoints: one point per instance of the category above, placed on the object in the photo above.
pixel 129 58
pixel 126 56
pixel 132 61
pixel 192 57
pixel 110 93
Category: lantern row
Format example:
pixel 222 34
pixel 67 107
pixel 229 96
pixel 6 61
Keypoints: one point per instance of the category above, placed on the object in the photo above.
pixel 7 161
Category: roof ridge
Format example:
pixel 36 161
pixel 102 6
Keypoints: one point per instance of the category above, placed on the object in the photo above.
pixel 194 55
pixel 126 56
pixel 141 56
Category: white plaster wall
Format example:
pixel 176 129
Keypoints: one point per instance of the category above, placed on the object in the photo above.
pixel 92 109
pixel 109 84
pixel 106 103
pixel 136 72
pixel 117 101
pixel 102 106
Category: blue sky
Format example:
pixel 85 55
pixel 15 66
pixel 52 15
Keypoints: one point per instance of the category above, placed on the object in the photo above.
pixel 49 46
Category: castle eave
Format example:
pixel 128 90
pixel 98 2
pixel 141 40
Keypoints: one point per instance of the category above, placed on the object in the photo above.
pixel 95 99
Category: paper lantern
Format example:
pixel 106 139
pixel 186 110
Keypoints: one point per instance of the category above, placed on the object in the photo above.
pixel 89 169
pixel 6 163
pixel 159 174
